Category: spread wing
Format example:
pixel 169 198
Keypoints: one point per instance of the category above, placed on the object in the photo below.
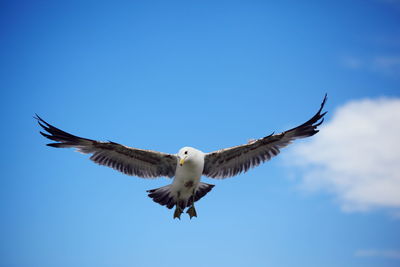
pixel 131 161
pixel 232 161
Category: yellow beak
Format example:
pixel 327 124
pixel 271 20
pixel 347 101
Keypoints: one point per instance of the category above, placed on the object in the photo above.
pixel 182 161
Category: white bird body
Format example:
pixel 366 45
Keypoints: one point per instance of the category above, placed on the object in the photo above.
pixel 187 176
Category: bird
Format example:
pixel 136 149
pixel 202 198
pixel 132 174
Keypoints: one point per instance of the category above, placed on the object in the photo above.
pixel 187 166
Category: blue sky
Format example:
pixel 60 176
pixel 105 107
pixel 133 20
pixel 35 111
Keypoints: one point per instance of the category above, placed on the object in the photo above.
pixel 212 74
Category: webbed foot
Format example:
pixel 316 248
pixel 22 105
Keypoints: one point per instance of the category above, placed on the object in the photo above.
pixel 178 212
pixel 192 212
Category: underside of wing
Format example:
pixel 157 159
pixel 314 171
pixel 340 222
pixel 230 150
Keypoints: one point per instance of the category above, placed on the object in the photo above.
pixel 232 161
pixel 131 161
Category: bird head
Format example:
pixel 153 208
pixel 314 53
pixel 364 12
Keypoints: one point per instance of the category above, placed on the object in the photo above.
pixel 187 154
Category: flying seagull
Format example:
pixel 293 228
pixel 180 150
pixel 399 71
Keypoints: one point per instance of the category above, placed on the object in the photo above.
pixel 187 166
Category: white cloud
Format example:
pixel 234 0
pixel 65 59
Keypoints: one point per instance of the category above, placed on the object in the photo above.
pixel 356 155
pixel 391 254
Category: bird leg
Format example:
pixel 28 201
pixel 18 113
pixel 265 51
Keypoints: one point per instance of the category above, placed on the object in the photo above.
pixel 192 211
pixel 178 211
pixel 178 207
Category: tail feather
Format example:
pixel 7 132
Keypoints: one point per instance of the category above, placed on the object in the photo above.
pixel 164 197
pixel 202 190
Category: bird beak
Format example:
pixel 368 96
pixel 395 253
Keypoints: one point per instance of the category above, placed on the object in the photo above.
pixel 182 161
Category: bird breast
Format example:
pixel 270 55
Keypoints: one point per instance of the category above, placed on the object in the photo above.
pixel 188 175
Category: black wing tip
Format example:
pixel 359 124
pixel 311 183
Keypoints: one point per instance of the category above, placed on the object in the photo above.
pixel 44 134
pixel 45 125
pixel 55 145
pixel 39 119
pixel 309 128
pixel 42 123
pixel 318 118
pixel 319 123
pixel 50 132
pixel 322 107
pixel 325 99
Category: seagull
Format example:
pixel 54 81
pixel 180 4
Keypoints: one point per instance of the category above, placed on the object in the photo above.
pixel 187 166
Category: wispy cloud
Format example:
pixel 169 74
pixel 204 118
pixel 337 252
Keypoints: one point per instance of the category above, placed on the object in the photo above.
pixel 384 64
pixel 387 64
pixel 353 62
pixel 391 254
pixel 393 2
pixel 356 155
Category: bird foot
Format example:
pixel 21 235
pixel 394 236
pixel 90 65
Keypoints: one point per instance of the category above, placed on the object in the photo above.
pixel 192 212
pixel 177 213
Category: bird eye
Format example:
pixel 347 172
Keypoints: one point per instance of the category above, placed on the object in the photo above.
pixel 185 152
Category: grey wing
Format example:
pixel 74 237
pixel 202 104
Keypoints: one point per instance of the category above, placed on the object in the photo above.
pixel 131 161
pixel 232 161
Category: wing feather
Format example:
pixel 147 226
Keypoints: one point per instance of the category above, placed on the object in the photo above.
pixel 128 160
pixel 235 160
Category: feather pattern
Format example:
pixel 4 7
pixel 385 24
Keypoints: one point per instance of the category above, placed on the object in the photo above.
pixel 235 160
pixel 128 160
